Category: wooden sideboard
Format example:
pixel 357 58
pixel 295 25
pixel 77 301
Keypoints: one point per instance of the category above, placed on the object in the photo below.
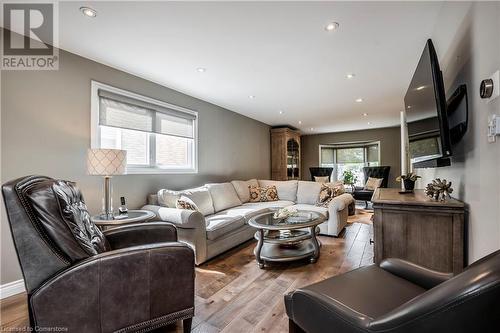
pixel 416 228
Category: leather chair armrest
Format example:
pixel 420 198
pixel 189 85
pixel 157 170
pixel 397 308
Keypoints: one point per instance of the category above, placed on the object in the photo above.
pixel 424 277
pixel 181 218
pixel 315 312
pixel 141 234
pixel 117 289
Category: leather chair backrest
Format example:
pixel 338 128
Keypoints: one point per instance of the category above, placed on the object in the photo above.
pixel 320 172
pixel 454 303
pixel 378 172
pixel 50 225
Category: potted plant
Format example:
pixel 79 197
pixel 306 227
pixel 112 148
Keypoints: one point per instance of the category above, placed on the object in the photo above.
pixel 409 180
pixel 349 178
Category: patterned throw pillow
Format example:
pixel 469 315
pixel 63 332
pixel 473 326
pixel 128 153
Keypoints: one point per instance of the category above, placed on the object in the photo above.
pixel 263 194
pixel 328 192
pixel 185 203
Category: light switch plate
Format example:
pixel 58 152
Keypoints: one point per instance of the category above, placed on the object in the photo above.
pixel 496 86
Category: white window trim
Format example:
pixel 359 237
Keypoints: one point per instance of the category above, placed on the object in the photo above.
pixel 354 144
pixel 139 170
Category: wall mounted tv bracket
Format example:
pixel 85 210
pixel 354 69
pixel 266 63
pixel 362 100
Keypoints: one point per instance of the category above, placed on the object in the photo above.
pixel 453 109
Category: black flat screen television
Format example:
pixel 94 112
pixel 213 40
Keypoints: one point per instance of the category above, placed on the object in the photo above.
pixel 426 115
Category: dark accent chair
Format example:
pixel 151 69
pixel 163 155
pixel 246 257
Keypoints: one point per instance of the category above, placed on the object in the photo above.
pixel 400 297
pixel 133 278
pixel 375 172
pixel 320 172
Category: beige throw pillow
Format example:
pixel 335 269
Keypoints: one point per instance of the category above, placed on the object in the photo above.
pixel 373 183
pixel 319 179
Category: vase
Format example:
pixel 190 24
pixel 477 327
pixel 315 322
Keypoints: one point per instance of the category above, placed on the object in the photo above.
pixel 409 184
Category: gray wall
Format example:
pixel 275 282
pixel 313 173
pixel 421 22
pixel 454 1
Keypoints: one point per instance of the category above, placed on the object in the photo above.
pixel 390 148
pixel 45 125
pixel 469 53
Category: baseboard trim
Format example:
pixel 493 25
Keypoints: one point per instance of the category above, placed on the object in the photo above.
pixel 11 288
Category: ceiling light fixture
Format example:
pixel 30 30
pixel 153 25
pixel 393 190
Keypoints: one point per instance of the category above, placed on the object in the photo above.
pixel 87 11
pixel 365 114
pixel 421 88
pixel 312 128
pixel 251 96
pixel 281 112
pixel 201 69
pixel 359 100
pixel 350 76
pixel 332 26
pixel 300 122
pixel 408 107
pixel 369 123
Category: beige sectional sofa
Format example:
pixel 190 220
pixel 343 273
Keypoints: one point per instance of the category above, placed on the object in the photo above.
pixel 224 210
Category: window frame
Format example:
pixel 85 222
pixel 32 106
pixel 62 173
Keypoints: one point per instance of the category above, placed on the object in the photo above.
pixel 95 139
pixel 357 144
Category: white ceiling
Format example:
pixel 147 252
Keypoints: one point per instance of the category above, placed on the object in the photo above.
pixel 277 51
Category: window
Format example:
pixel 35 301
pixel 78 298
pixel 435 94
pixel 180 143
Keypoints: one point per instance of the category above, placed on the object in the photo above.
pixel 158 137
pixel 350 157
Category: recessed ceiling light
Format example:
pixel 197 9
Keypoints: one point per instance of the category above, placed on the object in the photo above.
pixel 365 114
pixel 251 96
pixel 408 107
pixel 300 122
pixel 87 11
pixel 312 128
pixel 332 26
pixel 369 123
pixel 359 100
pixel 281 112
pixel 201 69
pixel 350 75
pixel 421 88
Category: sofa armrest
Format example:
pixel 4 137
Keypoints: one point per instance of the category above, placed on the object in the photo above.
pixel 140 234
pixel 424 277
pixel 118 289
pixel 181 218
pixel 340 202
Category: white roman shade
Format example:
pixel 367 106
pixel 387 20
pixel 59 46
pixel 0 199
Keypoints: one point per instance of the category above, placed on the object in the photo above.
pixel 120 111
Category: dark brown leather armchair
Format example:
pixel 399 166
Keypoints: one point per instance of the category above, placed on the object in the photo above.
pixel 129 279
pixel 401 297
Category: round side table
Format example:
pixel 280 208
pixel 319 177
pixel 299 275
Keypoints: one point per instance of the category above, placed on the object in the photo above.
pixel 133 216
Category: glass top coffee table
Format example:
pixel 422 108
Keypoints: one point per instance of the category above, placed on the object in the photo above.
pixel 288 239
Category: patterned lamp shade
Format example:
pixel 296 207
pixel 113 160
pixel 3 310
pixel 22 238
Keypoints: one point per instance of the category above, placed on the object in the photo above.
pixel 106 162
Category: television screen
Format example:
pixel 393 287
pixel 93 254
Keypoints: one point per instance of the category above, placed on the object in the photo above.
pixel 425 104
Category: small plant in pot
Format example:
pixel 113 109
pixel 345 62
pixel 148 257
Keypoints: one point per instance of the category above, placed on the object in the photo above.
pixel 349 178
pixel 409 180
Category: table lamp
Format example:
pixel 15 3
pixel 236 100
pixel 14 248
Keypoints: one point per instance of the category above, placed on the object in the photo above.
pixel 107 163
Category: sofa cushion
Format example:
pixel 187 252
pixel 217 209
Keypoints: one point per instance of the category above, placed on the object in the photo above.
pixel 185 203
pixel 224 196
pixel 200 196
pixel 269 204
pixel 287 190
pixel 202 199
pixel 220 224
pixel 314 208
pixel 308 192
pixel 242 188
pixel 246 212
pixel 167 198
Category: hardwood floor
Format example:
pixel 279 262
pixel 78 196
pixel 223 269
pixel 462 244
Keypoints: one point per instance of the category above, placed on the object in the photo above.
pixel 234 295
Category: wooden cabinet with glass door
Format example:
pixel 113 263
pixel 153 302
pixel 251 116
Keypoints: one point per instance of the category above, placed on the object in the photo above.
pixel 285 154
